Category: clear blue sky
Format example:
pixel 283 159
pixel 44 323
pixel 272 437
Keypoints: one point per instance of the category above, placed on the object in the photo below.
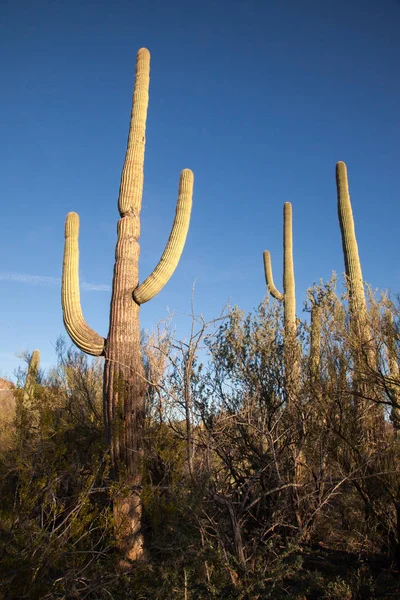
pixel 260 98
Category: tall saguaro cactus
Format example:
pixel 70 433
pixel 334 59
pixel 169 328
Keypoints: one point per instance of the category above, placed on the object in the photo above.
pixel 357 301
pixel 124 383
pixel 364 356
pixel 288 297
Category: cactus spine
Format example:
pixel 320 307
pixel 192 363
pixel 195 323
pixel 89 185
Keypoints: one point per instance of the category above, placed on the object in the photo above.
pixel 124 383
pixel 288 297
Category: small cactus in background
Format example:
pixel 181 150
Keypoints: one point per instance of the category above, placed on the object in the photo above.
pixel 288 297
pixel 124 381
pixel 31 376
pixel 322 304
pixel 349 243
pixel 315 340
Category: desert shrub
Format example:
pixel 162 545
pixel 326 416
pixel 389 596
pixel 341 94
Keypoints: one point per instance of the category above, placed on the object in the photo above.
pixel 250 489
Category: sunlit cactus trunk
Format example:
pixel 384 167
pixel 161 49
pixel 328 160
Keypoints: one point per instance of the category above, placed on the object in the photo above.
pixel 124 387
pixel 124 382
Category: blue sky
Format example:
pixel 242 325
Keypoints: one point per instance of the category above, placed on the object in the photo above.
pixel 260 98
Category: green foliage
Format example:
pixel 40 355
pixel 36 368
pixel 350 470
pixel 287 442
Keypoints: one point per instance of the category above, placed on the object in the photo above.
pixel 54 513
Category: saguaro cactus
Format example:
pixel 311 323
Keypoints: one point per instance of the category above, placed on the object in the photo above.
pixel 288 297
pixel 357 301
pixel 124 383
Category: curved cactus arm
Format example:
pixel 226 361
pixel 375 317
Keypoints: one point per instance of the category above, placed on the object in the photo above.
pixel 269 277
pixel 176 242
pixel 81 334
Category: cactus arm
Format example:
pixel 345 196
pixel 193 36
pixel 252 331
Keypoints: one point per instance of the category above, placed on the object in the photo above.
pixel 275 293
pixel 131 186
pixel 349 241
pixel 154 283
pixel 81 334
pixel 288 269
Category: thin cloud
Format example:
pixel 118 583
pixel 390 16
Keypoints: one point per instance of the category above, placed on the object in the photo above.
pixel 50 281
pixel 94 287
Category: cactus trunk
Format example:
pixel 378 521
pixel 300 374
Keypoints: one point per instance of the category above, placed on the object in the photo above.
pixel 123 373
pixel 124 390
